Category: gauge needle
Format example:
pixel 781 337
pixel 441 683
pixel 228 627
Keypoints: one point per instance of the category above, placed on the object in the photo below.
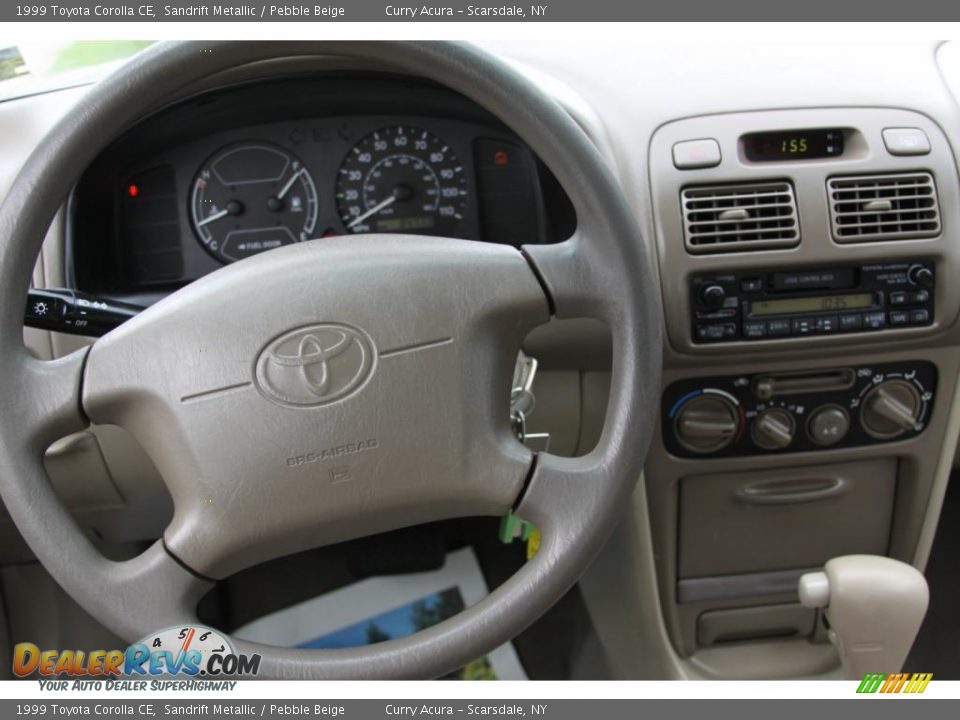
pixel 373 211
pixel 286 188
pixel 215 216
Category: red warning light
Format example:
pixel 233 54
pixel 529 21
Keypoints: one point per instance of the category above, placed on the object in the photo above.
pixel 500 157
pixel 133 190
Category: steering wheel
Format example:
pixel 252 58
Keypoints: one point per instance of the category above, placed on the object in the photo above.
pixel 332 389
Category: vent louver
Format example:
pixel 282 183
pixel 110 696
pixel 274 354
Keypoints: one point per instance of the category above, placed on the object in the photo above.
pixel 740 218
pixel 883 207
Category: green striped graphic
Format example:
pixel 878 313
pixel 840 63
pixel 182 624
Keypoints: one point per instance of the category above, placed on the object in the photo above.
pixel 871 682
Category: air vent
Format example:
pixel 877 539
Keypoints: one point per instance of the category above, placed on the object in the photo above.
pixel 883 207
pixel 739 218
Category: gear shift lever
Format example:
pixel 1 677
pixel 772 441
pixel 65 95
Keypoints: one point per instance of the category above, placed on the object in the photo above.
pixel 874 606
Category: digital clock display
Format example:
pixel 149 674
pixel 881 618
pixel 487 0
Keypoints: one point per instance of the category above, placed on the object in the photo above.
pixel 793 145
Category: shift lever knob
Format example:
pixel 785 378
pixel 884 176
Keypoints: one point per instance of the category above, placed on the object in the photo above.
pixel 874 605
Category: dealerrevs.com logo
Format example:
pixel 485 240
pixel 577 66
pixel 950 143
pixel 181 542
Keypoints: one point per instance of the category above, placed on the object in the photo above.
pixel 185 652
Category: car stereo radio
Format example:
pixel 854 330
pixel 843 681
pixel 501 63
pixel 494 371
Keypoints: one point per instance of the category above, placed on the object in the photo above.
pixel 757 305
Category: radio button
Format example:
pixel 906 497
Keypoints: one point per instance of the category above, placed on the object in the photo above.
pixel 921 296
pixel 898 298
pixel 828 324
pixel 919 317
pixel 755 329
pixel 778 328
pixel 751 285
pixel 716 332
pixel 851 321
pixel 803 326
pixel 874 320
pixel 899 317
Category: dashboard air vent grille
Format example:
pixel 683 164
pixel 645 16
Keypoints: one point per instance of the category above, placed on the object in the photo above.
pixel 883 207
pixel 738 218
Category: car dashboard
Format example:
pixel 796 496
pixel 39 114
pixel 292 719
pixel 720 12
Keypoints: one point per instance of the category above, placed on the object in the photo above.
pixel 240 170
pixel 801 206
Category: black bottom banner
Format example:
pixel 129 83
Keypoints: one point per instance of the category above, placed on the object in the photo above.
pixel 565 709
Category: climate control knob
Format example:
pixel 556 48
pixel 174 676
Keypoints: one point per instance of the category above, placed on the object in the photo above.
pixel 707 423
pixel 891 409
pixel 774 429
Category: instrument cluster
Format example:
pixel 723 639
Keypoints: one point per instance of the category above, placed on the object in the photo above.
pixel 253 189
pixel 245 170
pixel 254 195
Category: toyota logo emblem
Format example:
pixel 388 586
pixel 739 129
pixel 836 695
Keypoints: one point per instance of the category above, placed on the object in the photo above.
pixel 315 365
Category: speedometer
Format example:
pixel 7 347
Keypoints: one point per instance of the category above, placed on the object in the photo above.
pixel 402 180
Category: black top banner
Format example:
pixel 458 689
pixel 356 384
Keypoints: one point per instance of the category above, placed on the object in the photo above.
pixel 480 11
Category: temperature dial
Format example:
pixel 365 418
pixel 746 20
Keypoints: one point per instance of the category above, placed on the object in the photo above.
pixel 890 409
pixel 774 429
pixel 707 423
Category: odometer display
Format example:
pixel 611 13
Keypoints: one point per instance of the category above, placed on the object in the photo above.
pixel 402 180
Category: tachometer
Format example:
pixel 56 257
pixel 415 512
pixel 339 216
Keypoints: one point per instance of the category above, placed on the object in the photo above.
pixel 402 180
pixel 252 197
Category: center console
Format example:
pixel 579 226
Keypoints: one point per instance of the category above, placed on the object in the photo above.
pixel 810 365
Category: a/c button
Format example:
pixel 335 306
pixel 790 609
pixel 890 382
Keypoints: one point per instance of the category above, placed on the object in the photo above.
pixel 828 425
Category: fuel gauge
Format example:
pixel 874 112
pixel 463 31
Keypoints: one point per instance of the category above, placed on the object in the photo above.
pixel 252 197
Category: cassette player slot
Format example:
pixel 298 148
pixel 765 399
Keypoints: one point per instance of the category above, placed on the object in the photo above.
pixel 800 280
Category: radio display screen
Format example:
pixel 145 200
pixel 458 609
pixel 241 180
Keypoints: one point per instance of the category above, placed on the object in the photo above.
pixel 792 145
pixel 822 303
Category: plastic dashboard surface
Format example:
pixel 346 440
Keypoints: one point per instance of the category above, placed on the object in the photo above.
pixel 246 169
pixel 865 157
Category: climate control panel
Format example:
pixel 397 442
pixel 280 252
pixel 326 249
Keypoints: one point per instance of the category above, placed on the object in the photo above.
pixel 799 411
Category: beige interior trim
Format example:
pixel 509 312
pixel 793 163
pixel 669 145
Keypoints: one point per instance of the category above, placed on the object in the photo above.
pixel 620 593
pixel 941 480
